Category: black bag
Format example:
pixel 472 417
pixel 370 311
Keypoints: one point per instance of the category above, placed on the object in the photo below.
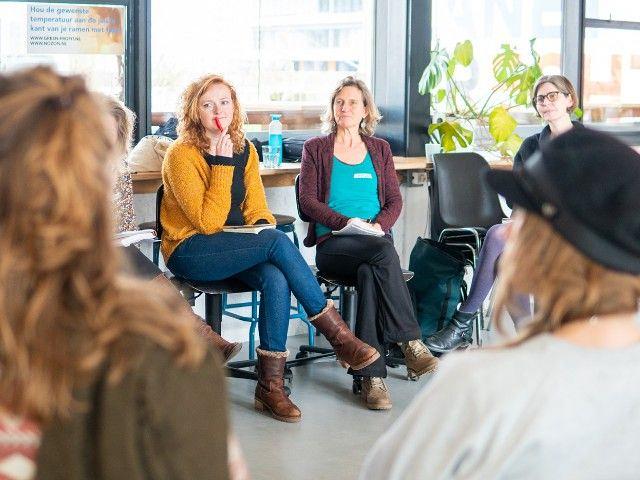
pixel 292 149
pixel 169 128
pixel 437 285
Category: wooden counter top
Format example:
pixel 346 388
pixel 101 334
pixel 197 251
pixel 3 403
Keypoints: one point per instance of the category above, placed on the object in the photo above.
pixel 284 176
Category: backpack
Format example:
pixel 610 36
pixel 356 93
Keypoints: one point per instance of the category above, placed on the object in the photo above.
pixel 437 286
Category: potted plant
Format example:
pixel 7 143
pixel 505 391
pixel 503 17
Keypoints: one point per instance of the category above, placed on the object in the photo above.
pixel 485 122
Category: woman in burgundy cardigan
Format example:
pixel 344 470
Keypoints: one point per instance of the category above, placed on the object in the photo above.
pixel 349 176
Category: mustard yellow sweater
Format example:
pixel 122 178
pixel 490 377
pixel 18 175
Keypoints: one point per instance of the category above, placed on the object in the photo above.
pixel 197 197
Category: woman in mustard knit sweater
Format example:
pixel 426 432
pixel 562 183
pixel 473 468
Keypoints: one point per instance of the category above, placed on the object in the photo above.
pixel 211 179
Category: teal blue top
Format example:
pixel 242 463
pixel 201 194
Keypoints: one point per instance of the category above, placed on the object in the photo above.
pixel 353 191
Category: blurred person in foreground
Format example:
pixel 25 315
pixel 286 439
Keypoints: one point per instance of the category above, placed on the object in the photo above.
pixel 561 401
pixel 113 373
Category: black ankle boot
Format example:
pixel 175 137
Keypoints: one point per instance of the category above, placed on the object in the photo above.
pixel 457 334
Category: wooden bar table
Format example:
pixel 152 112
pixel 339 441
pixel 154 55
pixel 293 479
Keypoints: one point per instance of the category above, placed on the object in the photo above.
pixel 284 176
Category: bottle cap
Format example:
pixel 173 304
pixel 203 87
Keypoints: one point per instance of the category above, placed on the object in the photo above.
pixel 275 116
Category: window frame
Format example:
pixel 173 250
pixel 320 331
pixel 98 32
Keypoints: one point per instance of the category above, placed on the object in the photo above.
pixel 574 25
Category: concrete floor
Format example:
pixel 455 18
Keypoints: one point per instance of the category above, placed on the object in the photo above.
pixel 336 430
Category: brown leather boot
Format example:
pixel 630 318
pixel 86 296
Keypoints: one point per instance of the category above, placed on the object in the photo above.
pixel 270 394
pixel 228 349
pixel 348 347
pixel 418 359
pixel 375 394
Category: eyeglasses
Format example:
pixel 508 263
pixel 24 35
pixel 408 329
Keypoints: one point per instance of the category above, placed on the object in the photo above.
pixel 551 96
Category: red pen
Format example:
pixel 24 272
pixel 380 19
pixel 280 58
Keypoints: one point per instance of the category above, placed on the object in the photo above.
pixel 218 124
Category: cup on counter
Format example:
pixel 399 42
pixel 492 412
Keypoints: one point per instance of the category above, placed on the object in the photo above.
pixel 270 156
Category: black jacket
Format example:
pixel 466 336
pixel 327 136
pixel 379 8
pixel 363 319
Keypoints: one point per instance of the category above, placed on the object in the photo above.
pixel 531 144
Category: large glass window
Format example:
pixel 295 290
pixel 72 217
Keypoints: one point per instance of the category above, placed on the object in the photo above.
pixel 282 55
pixel 624 10
pixel 491 23
pixel 611 63
pixel 82 38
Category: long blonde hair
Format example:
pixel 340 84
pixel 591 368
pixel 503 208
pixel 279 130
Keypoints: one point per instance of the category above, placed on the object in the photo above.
pixel 125 122
pixel 565 284
pixel 65 308
pixel 190 128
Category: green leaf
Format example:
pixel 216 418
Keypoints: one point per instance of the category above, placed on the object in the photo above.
pixel 450 133
pixel 510 146
pixel 501 124
pixel 434 71
pixel 505 63
pixel 440 94
pixel 463 53
pixel 451 67
pixel 522 98
pixel 534 54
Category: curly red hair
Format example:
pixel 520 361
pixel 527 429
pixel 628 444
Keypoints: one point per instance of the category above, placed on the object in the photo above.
pixel 190 127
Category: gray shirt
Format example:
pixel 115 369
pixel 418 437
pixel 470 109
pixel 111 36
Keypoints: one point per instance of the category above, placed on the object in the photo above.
pixel 545 409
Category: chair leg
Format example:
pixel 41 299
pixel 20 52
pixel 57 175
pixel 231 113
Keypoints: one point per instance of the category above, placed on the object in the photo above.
pixel 349 306
pixel 213 311
pixel 156 253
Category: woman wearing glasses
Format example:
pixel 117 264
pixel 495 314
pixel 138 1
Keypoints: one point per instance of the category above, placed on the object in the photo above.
pixel 554 99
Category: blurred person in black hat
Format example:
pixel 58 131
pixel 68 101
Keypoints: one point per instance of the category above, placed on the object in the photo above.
pixel 554 99
pixel 561 401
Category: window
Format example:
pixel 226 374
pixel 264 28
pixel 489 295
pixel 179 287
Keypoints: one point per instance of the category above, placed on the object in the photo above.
pixel 611 64
pixel 84 38
pixel 282 55
pixel 613 10
pixel 490 23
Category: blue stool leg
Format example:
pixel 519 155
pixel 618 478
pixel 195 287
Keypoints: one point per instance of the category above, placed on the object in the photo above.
pixel 254 324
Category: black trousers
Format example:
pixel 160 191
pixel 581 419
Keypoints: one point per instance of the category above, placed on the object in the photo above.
pixel 385 312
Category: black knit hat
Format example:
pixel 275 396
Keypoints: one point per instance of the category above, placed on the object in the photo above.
pixel 586 184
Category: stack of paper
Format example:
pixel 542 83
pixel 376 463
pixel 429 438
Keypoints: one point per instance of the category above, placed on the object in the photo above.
pixel 359 227
pixel 130 237
pixel 247 228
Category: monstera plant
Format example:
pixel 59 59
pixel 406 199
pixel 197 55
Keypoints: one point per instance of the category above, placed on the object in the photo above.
pixel 462 119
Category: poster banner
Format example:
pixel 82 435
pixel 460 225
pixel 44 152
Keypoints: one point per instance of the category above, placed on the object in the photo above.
pixel 75 28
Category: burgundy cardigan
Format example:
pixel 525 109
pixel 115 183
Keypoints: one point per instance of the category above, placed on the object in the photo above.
pixel 315 179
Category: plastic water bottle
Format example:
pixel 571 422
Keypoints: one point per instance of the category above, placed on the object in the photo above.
pixel 275 135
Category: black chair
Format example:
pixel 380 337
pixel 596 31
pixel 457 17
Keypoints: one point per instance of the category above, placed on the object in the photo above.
pixel 213 305
pixel 463 206
pixel 213 301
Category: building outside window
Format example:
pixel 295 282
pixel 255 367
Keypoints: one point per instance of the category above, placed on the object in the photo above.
pixel 490 23
pixel 611 63
pixel 283 56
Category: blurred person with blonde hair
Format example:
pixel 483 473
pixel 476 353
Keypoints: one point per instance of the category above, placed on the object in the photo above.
pixel 561 401
pixel 112 372
pixel 211 180
pixel 348 176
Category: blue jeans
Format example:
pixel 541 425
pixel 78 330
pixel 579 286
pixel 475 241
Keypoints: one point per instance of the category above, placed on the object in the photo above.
pixel 268 262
